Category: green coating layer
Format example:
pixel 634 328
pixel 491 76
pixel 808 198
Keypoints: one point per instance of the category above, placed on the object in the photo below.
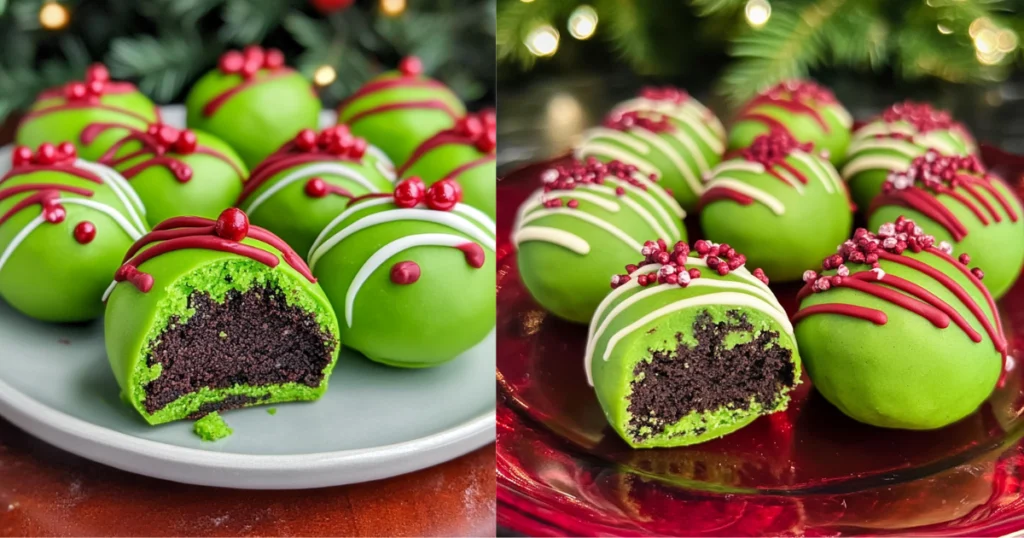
pixel 478 183
pixel 785 245
pixel 571 284
pixel 135 321
pixel 874 152
pixel 297 217
pixel 448 310
pixel 998 248
pixel 804 128
pixel 613 378
pixel 66 125
pixel 400 131
pixel 212 428
pixel 214 187
pixel 260 118
pixel 50 276
pixel 907 373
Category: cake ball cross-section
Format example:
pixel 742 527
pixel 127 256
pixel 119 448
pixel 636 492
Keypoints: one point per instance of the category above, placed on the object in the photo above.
pixel 666 134
pixel 956 201
pixel 411 274
pixel 689 346
pixel 64 225
pixel 809 112
pixel 897 331
pixel 780 204
pixel 207 316
pixel 586 222
pixel 310 180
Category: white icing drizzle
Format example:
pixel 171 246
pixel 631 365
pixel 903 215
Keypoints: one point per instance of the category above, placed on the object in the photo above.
pixel 677 160
pixel 621 137
pixel 445 218
pixel 726 298
pixel 840 114
pixel 873 162
pixel 598 149
pixel 336 169
pixel 760 195
pixel 821 169
pixel 658 189
pixel 558 237
pixel 741 165
pixel 694 115
pixel 882 128
pixel 117 183
pixel 352 208
pixel 895 144
pixel 938 140
pixel 645 214
pixel 633 244
pixel 790 179
pixel 387 251
pixel 109 290
pixel 383 164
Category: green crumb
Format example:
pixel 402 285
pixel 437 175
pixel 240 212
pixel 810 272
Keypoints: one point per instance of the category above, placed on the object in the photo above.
pixel 272 411
pixel 212 428
pixel 223 334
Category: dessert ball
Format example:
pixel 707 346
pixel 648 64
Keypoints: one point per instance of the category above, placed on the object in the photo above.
pixel 892 140
pixel 205 316
pixel 175 172
pixel 956 201
pixel 778 203
pixel 399 110
pixel 465 153
pixel 298 190
pixel 62 114
pixel 586 222
pixel 667 135
pixel 898 332
pixel 64 225
pixel 411 275
pixel 689 346
pixel 806 110
pixel 254 102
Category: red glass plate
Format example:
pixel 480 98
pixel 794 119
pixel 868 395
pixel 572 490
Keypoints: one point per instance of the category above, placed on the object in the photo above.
pixel 810 470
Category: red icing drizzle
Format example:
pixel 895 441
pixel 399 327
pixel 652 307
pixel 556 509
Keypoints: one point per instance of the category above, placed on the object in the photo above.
pixel 389 84
pixel 429 104
pixel 474 254
pixel 158 141
pixel 405 272
pixel 47 158
pixel 477 130
pixel 869 314
pixel 248 64
pixel 211 107
pixel 723 193
pixel 410 72
pixel 796 96
pixel 222 235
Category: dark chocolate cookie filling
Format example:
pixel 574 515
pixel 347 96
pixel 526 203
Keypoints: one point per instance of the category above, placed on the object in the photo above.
pixel 253 338
pixel 708 376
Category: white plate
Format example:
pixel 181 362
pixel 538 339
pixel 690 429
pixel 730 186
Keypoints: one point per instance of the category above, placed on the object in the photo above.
pixel 374 422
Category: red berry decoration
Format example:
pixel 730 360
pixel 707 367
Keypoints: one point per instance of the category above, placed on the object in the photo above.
pixel 409 192
pixel 330 6
pixel 75 91
pixel 46 154
pixel 97 72
pixel 21 156
pixel 316 188
pixel 67 151
pixel 232 224
pixel 306 139
pixel 85 232
pixel 186 142
pixel 410 66
pixel 443 195
pixel 231 62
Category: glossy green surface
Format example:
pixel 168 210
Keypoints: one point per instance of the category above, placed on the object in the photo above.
pixel 299 218
pixel 260 118
pixel 613 378
pixel 400 131
pixel 805 128
pixel 785 245
pixel 214 187
pixel 135 320
pixel 67 125
pixel 997 248
pixel 478 183
pixel 907 373
pixel 426 323
pixel 50 276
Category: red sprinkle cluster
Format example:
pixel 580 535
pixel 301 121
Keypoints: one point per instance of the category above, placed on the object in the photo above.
pixel 921 115
pixel 164 138
pixel 250 60
pixel 772 147
pixel 441 196
pixel 803 91
pixel 665 93
pixel 410 66
pixel 589 172
pixel 47 154
pixel 657 123
pixel 722 259
pixel 337 141
pixel 96 79
pixel 481 129
pixel 933 171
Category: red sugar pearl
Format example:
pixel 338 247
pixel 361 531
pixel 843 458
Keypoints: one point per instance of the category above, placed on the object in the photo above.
pixel 404 273
pixel 274 59
pixel 85 232
pixel 231 62
pixel 964 258
pixel 46 154
pixel 22 155
pixel 978 273
pixel 167 135
pixel 694 273
pixel 67 150
pixel 97 72
pixel 316 188
pixel 443 195
pixel 96 87
pixel 411 66
pixel 306 139
pixel 409 192
pixel 186 142
pixel 75 91
pixel 232 224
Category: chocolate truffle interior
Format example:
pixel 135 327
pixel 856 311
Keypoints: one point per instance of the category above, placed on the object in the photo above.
pixel 254 338
pixel 708 376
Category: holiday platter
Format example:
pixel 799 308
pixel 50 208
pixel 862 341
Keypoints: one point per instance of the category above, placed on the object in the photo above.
pixel 775 364
pixel 228 294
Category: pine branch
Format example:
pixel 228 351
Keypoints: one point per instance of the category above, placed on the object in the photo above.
pixel 626 29
pixel 249 21
pixel 725 8
pixel 162 66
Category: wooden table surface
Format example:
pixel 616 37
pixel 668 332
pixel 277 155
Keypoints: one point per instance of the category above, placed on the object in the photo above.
pixel 45 491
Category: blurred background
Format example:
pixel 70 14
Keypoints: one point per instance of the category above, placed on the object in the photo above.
pixel 165 45
pixel 563 63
